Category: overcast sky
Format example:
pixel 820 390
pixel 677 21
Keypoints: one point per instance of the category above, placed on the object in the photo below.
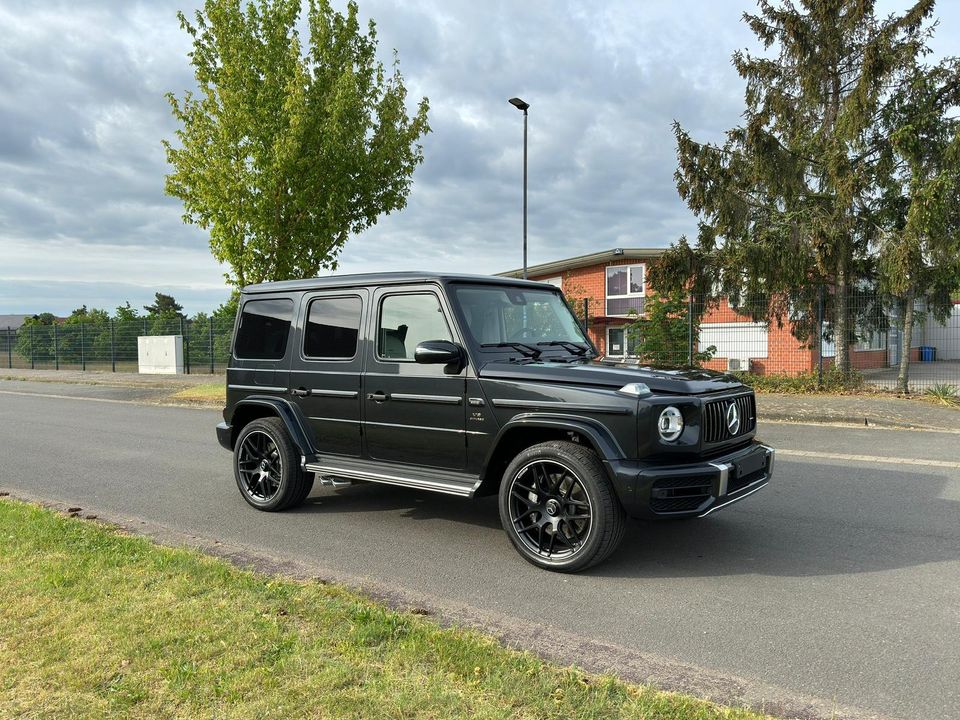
pixel 83 215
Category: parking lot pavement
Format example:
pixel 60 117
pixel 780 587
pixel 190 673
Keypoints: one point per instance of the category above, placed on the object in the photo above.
pixel 839 582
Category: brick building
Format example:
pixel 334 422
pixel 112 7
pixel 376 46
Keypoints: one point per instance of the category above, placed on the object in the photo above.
pixel 615 282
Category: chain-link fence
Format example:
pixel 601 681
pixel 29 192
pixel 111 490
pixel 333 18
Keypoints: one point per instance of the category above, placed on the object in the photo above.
pixel 789 336
pixel 111 345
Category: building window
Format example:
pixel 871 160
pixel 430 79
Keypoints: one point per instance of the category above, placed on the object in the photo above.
pixel 625 289
pixel 620 343
pixel 872 341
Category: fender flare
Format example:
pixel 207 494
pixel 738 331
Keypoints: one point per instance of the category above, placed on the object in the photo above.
pixel 289 414
pixel 605 445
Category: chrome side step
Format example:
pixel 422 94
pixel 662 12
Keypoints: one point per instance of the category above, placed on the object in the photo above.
pixel 338 472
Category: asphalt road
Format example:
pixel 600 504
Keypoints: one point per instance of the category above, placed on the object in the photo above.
pixel 840 582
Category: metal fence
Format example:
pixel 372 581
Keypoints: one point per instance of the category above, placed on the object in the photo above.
pixel 733 333
pixel 111 345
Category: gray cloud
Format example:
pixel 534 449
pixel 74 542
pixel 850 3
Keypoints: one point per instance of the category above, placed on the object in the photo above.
pixel 83 216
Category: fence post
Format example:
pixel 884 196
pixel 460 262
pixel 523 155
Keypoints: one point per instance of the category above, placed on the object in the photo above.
pixel 820 336
pixel 56 347
pixel 690 330
pixel 210 325
pixel 144 324
pixel 32 362
pixel 113 346
pixel 186 348
pixel 83 359
pixel 9 348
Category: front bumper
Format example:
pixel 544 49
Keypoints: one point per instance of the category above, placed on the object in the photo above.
pixel 652 490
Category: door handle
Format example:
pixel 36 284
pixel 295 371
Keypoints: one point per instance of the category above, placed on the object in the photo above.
pixel 300 392
pixel 378 396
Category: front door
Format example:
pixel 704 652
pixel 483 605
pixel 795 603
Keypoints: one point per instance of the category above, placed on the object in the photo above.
pixel 325 371
pixel 413 413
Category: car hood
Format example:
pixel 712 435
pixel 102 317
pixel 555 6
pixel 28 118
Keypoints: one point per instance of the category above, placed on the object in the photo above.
pixel 604 373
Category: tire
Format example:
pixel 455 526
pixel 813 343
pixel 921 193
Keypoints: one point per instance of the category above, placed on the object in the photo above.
pixel 558 507
pixel 266 466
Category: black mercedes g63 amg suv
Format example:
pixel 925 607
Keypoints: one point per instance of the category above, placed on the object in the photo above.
pixel 471 385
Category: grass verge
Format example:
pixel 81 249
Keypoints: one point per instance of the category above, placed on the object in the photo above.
pixel 95 624
pixel 213 394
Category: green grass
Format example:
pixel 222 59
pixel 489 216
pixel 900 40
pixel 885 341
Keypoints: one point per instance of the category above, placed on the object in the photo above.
pixel 97 624
pixel 206 394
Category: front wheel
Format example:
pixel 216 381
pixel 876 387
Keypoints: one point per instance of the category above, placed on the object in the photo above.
pixel 266 465
pixel 558 508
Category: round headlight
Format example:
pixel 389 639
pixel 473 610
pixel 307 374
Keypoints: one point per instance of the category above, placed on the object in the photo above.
pixel 670 424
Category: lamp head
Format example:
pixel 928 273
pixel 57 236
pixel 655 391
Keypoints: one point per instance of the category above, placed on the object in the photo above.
pixel 519 104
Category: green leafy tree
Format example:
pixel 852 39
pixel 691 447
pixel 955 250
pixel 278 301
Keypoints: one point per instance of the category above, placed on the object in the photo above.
pixel 285 152
pixel 164 305
pixel 126 313
pixel 919 252
pixel 785 201
pixel 662 335
pixel 35 338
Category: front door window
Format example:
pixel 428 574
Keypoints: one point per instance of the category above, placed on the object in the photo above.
pixel 406 321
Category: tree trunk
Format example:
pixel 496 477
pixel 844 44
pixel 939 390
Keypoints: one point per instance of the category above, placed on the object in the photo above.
pixel 841 324
pixel 903 377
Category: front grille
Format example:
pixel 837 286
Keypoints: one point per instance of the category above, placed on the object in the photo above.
pixel 715 427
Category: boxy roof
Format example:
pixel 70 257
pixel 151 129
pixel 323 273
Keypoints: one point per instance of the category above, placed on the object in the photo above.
pixel 386 278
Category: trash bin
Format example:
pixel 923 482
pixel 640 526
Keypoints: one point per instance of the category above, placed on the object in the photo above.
pixel 928 353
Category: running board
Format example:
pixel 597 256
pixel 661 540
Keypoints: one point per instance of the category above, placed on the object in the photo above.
pixel 441 481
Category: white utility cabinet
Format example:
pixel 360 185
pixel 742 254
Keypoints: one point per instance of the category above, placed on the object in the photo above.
pixel 160 354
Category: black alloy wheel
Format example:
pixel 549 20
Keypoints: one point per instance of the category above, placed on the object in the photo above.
pixel 558 507
pixel 259 465
pixel 549 509
pixel 266 466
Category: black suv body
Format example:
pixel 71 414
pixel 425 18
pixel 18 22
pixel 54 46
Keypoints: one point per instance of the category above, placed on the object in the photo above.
pixel 474 385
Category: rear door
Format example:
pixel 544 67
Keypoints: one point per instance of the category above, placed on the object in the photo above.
pixel 413 413
pixel 326 367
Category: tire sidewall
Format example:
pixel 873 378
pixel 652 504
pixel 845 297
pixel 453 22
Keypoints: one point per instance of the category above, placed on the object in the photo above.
pixel 586 476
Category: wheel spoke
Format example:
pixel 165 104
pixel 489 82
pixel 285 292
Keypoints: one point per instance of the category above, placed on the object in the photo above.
pixel 524 499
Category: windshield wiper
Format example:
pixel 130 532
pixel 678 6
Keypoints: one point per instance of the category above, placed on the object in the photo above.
pixel 574 347
pixel 530 351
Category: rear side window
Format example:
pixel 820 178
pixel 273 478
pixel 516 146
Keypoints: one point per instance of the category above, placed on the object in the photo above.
pixel 333 325
pixel 264 327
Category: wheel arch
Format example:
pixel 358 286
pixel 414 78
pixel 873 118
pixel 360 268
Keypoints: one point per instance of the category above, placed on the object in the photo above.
pixel 526 430
pixel 254 408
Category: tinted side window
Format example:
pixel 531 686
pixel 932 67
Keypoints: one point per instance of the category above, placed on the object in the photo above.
pixel 264 327
pixel 333 325
pixel 406 321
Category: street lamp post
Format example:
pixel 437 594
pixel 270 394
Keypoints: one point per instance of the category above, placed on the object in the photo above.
pixel 521 105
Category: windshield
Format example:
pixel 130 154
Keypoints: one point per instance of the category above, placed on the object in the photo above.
pixel 527 320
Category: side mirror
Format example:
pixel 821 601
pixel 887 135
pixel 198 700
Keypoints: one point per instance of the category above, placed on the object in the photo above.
pixel 439 352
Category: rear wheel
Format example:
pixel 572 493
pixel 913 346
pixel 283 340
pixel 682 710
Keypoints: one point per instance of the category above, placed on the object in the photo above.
pixel 558 508
pixel 266 465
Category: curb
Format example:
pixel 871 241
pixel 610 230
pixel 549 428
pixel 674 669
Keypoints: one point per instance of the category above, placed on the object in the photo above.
pixel 850 420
